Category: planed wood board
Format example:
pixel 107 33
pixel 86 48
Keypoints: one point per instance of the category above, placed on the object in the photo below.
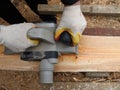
pixel 96 54
pixel 86 9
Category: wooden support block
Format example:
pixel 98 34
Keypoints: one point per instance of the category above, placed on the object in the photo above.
pixel 49 9
pixel 106 10
pixel 86 9
pixel 96 54
pixel 56 9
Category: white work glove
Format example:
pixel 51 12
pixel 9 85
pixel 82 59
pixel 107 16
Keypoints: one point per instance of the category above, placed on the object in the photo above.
pixel 72 22
pixel 15 37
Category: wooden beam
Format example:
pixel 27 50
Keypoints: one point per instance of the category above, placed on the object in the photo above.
pixel 96 54
pixel 86 9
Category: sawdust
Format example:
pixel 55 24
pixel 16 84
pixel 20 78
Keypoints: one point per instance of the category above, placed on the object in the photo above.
pixel 19 80
pixel 101 2
pixel 81 77
pixel 103 22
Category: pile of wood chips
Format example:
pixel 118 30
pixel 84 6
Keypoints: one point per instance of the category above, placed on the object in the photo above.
pixel 81 77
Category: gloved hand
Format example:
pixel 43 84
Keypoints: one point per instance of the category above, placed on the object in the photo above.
pixel 15 37
pixel 71 26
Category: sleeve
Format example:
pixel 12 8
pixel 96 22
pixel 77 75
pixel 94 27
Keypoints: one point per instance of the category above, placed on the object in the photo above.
pixel 69 2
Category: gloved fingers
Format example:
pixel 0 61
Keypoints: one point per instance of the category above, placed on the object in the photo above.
pixel 72 40
pixel 15 37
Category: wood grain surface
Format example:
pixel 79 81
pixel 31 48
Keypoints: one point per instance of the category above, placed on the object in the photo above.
pixel 96 54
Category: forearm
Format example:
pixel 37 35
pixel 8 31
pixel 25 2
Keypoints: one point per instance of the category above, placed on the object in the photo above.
pixel 70 2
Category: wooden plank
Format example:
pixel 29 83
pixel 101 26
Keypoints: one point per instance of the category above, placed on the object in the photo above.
pixel 86 9
pixel 96 54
